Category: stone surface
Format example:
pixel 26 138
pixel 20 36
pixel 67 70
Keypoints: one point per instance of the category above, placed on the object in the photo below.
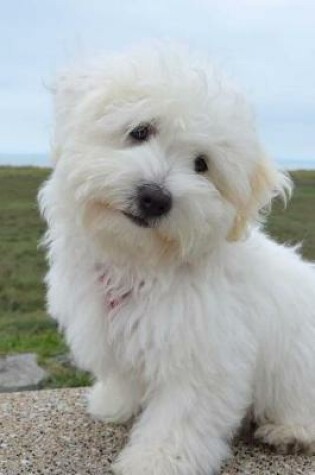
pixel 19 372
pixel 49 432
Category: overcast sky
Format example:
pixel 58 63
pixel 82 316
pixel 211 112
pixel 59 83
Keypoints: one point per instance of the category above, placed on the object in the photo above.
pixel 268 46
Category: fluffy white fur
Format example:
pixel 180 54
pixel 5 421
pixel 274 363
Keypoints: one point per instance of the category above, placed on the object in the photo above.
pixel 212 316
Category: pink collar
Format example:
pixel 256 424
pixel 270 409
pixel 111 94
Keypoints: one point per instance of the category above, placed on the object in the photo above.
pixel 113 299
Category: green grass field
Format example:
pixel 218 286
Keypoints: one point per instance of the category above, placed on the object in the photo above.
pixel 24 324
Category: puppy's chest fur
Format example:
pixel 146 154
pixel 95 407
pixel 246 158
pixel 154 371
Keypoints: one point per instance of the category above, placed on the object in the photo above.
pixel 149 314
pixel 154 318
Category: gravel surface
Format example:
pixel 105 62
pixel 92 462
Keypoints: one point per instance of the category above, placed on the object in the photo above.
pixel 48 432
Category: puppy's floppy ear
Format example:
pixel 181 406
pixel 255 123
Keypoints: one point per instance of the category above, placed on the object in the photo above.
pixel 266 183
pixel 68 90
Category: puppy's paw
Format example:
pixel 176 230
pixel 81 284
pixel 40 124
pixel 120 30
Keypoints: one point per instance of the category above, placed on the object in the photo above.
pixel 157 460
pixel 288 438
pixel 110 403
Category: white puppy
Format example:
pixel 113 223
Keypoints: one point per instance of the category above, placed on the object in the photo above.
pixel 168 292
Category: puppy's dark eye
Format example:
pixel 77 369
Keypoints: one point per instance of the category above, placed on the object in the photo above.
pixel 141 133
pixel 201 165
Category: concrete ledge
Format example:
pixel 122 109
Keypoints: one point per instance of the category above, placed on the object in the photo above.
pixel 48 432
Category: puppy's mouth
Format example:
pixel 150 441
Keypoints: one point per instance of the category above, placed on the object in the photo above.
pixel 143 223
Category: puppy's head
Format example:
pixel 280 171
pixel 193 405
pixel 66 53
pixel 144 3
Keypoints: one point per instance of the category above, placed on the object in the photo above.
pixel 157 156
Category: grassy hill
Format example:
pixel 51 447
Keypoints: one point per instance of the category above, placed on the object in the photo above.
pixel 24 325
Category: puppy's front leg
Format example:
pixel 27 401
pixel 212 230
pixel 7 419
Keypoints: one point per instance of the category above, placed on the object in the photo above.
pixel 185 430
pixel 114 399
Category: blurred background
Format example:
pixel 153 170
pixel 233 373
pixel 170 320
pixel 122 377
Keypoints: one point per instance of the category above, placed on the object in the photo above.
pixel 266 46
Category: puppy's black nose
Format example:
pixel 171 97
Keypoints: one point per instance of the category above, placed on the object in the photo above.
pixel 153 200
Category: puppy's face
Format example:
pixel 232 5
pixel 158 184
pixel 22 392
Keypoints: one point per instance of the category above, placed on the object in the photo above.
pixel 158 157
